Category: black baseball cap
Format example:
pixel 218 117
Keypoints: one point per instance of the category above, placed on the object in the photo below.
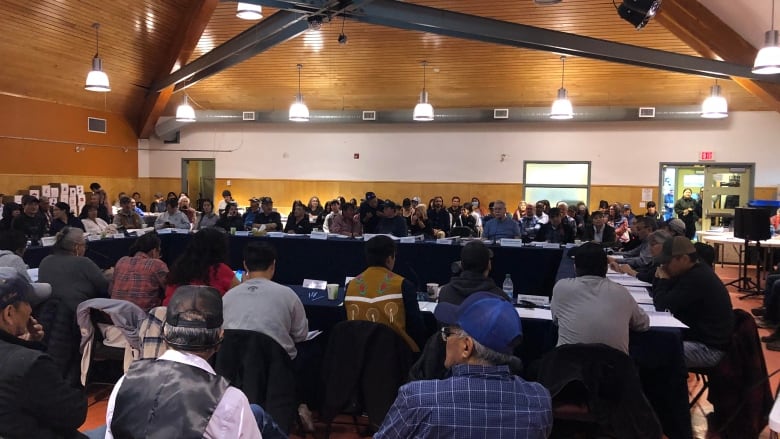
pixel 15 288
pixel 195 306
pixel 266 200
pixel 370 196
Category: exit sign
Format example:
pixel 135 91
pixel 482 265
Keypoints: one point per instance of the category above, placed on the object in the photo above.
pixel 706 155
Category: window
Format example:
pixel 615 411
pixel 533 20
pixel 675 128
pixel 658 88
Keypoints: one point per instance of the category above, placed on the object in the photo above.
pixel 556 181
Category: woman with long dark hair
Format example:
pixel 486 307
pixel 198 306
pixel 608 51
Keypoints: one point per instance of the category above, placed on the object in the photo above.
pixel 685 208
pixel 10 211
pixel 203 262
pixel 316 212
pixel 63 217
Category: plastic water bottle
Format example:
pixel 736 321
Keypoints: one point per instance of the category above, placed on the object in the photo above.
pixel 509 287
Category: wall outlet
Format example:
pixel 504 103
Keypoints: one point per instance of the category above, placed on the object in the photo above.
pixel 356 156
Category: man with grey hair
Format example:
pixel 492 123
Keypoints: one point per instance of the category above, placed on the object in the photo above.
pixel 127 217
pixel 179 394
pixel 502 226
pixel 639 256
pixel 481 399
pixel 646 273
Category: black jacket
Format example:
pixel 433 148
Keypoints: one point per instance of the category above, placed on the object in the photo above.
pixel 35 402
pixel 562 235
pixel 463 285
pixel 608 237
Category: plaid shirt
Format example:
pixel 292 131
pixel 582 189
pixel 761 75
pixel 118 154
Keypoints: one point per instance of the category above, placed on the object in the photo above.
pixel 139 279
pixel 476 402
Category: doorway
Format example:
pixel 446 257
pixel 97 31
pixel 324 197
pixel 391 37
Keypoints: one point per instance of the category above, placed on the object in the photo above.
pixel 198 179
pixel 718 188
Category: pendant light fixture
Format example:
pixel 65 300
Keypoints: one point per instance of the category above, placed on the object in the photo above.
pixel 185 112
pixel 423 111
pixel 561 108
pixel 299 112
pixel 715 106
pixel 249 11
pixel 768 58
pixel 97 80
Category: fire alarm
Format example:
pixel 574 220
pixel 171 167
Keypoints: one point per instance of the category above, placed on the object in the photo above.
pixel 356 156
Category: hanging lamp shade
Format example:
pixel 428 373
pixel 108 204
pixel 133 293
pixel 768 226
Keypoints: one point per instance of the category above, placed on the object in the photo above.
pixel 715 106
pixel 185 112
pixel 561 107
pixel 768 58
pixel 97 80
pixel 423 111
pixel 249 11
pixel 299 112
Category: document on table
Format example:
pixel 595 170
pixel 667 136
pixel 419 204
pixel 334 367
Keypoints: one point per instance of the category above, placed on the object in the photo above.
pixel 312 334
pixel 662 319
pixel 627 281
pixel 640 295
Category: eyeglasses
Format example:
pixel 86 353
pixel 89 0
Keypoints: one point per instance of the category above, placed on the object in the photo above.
pixel 446 332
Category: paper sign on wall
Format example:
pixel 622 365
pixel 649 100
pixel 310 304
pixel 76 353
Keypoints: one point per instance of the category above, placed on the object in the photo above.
pixel 647 194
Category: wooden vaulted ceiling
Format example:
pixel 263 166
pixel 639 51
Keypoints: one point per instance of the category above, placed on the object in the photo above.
pixel 48 45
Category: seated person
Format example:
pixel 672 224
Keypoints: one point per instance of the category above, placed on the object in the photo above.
pixel 640 256
pixel 475 264
pixel 556 231
pixel 599 231
pixel 267 216
pixel 298 222
pixel 419 224
pixel 95 200
pixel 154 394
pixel 481 399
pixel 345 223
pixel 696 296
pixel 37 402
pixel 391 223
pixel 262 305
pixel 62 217
pixel 591 308
pixel 529 223
pixel 466 219
pixel 139 205
pixel 439 218
pixel 645 273
pixel 381 296
pixel 29 222
pixel 140 277
pixel 189 212
pixel 127 218
pixel 501 226
pixel 231 219
pixel 208 218
pixel 13 243
pixel 227 198
pixel 93 224
pixel 172 218
pixel 252 211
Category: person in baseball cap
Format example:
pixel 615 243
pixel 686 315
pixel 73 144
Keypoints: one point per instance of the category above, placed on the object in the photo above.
pixel 16 290
pixel 480 336
pixel 676 227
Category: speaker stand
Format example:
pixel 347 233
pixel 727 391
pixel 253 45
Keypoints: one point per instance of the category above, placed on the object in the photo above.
pixel 745 283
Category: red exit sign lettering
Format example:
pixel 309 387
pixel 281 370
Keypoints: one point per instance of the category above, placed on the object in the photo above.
pixel 706 155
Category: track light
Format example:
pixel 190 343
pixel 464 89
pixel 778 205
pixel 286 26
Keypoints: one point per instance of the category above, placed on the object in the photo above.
pixel 249 11
pixel 561 107
pixel 768 58
pixel 299 112
pixel 638 12
pixel 315 22
pixel 97 80
pixel 423 111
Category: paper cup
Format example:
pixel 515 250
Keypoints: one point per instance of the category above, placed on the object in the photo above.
pixel 333 291
pixel 433 290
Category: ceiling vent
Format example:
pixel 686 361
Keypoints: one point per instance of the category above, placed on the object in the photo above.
pixel 369 115
pixel 500 113
pixel 248 115
pixel 95 125
pixel 646 112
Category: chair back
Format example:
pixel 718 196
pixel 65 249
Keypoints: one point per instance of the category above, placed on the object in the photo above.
pixel 150 333
pixel 463 232
pixel 364 365
pixel 262 369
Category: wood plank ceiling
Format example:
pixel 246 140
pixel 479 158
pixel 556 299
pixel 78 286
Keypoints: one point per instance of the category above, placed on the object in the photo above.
pixel 48 46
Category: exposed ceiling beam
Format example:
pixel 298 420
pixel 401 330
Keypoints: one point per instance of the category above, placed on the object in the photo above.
pixel 704 32
pixel 286 24
pixel 190 29
pixel 409 16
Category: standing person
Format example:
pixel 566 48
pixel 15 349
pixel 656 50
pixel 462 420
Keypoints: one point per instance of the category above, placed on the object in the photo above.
pixel 685 208
pixel 35 401
pixel 481 399
pixel 203 262
pixel 140 277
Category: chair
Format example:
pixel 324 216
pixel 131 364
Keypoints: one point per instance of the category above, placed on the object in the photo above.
pixel 597 388
pixel 739 386
pixel 150 333
pixel 262 369
pixel 463 232
pixel 364 365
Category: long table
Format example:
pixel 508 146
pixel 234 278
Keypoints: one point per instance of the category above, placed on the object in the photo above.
pixel 533 269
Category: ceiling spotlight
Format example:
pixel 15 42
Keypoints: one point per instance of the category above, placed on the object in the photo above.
pixel 423 111
pixel 715 106
pixel 768 58
pixel 315 22
pixel 561 107
pixel 299 112
pixel 185 112
pixel 249 11
pixel 638 12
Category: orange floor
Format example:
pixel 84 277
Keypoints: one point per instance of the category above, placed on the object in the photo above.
pixel 344 430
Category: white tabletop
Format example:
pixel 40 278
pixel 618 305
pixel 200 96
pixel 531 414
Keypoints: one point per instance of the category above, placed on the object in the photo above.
pixel 774 417
pixel 728 238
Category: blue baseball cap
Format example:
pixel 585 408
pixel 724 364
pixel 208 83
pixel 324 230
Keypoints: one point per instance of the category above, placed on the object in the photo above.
pixel 488 319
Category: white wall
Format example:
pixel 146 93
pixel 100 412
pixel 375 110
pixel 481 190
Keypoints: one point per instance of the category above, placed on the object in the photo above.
pixel 621 153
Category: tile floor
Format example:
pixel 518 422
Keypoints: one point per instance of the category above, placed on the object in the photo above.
pixel 343 428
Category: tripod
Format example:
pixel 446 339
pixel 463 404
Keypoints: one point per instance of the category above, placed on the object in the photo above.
pixel 744 282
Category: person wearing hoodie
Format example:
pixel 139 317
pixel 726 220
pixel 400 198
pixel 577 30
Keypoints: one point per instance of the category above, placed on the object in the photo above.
pixel 475 265
pixel 12 246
